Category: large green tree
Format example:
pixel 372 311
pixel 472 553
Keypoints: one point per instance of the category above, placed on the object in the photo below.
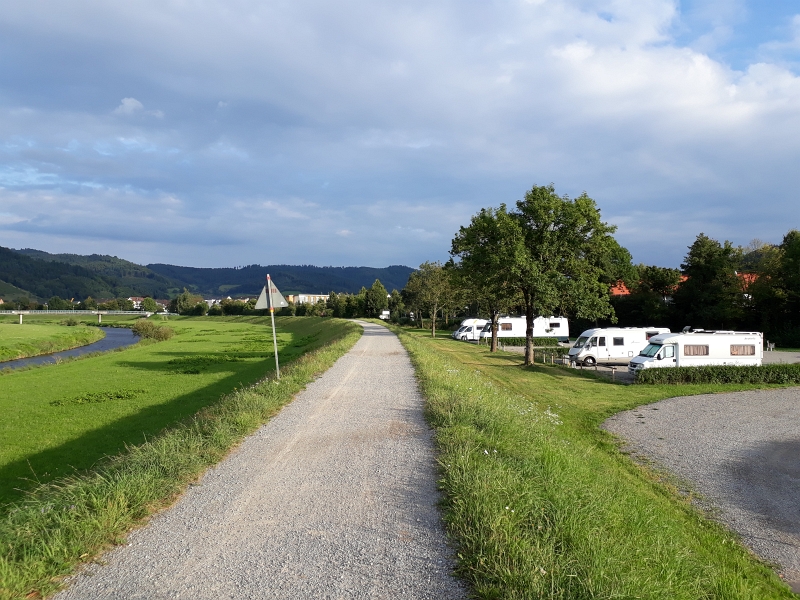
pixel 566 258
pixel 484 249
pixel 376 299
pixel 712 297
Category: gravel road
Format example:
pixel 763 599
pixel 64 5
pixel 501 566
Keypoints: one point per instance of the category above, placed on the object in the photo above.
pixel 742 452
pixel 333 498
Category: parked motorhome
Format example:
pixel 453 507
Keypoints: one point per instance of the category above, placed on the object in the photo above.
pixel 470 329
pixel 514 327
pixel 700 348
pixel 612 344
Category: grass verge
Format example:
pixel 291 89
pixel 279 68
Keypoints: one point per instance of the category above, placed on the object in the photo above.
pixel 23 341
pixel 539 501
pixel 72 519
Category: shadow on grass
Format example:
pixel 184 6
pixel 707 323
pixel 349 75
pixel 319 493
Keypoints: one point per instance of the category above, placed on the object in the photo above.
pixel 85 451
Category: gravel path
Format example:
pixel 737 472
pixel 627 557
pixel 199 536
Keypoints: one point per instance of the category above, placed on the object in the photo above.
pixel 333 498
pixel 742 452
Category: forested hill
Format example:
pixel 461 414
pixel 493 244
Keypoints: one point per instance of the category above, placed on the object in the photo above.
pixel 289 278
pixel 51 278
pixel 129 279
pixel 43 275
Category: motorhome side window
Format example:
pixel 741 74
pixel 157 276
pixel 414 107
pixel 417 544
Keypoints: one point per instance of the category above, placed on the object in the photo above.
pixel 602 341
pixel 554 325
pixel 619 341
pixel 669 351
pixel 505 326
pixel 695 350
pixel 743 350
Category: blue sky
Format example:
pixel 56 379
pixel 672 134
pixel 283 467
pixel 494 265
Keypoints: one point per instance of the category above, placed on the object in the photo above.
pixel 216 133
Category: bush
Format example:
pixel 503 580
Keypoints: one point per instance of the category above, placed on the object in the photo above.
pixel 148 330
pixel 721 374
pixel 71 322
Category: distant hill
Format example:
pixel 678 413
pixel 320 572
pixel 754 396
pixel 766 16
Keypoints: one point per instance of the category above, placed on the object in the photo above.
pixel 52 278
pixel 289 279
pixel 12 292
pixel 129 278
pixel 40 274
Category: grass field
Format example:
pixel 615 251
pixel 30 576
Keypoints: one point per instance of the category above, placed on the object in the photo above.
pixel 73 519
pixel 61 418
pixel 540 502
pixel 21 341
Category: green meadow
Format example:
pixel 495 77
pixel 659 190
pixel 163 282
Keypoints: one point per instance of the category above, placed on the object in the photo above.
pixel 32 339
pixel 541 503
pixel 61 419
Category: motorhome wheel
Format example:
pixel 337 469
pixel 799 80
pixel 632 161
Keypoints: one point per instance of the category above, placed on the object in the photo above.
pixel 589 361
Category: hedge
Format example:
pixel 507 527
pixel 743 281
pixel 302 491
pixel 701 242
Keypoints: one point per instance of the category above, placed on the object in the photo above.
pixel 780 373
pixel 541 342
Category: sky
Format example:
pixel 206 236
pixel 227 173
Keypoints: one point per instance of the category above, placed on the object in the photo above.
pixel 223 133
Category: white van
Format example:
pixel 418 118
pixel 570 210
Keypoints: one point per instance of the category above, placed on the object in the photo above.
pixel 611 344
pixel 700 348
pixel 470 329
pixel 514 327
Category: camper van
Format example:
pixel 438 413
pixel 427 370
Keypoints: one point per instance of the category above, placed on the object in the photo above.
pixel 470 329
pixel 514 327
pixel 700 348
pixel 611 344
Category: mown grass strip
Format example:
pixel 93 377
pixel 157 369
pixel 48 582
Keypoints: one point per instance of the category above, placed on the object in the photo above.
pixel 541 504
pixel 44 537
pixel 24 341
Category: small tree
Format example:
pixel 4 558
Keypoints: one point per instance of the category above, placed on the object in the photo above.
pixel 375 300
pixel 57 303
pixel 150 305
pixel 434 287
pixel 485 249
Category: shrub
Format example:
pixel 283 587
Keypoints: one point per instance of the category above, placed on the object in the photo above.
pixel 721 374
pixel 148 330
pixel 71 322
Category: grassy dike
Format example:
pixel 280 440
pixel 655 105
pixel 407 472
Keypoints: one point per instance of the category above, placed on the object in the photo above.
pixel 540 503
pixel 72 519
pixel 23 341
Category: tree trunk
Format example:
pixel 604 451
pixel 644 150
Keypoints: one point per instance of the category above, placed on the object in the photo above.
pixel 433 322
pixel 495 319
pixel 528 332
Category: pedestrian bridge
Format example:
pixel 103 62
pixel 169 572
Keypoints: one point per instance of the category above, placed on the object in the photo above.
pixel 99 313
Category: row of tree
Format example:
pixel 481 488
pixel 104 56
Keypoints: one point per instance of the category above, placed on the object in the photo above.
pixel 722 286
pixel 552 255
pixel 58 303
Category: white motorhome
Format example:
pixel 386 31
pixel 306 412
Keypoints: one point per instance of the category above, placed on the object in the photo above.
pixel 514 327
pixel 470 329
pixel 700 348
pixel 611 344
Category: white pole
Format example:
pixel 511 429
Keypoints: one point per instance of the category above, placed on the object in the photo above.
pixel 272 316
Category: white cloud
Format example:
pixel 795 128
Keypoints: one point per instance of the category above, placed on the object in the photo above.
pixel 378 114
pixel 129 106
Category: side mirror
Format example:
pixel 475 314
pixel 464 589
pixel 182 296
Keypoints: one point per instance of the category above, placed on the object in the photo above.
pixel 659 357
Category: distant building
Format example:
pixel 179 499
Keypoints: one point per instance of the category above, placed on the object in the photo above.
pixel 137 302
pixel 307 298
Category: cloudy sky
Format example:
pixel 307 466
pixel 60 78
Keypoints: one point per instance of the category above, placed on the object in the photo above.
pixel 223 133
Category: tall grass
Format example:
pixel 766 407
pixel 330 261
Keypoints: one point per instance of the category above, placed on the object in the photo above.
pixel 540 504
pixel 63 523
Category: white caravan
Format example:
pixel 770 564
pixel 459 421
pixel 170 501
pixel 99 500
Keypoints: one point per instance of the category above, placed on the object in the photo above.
pixel 701 348
pixel 470 329
pixel 514 327
pixel 611 344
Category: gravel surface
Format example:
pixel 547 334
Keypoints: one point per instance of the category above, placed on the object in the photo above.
pixel 333 498
pixel 741 451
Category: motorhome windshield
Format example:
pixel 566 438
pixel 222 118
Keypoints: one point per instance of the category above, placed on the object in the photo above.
pixel 580 342
pixel 487 327
pixel 651 350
